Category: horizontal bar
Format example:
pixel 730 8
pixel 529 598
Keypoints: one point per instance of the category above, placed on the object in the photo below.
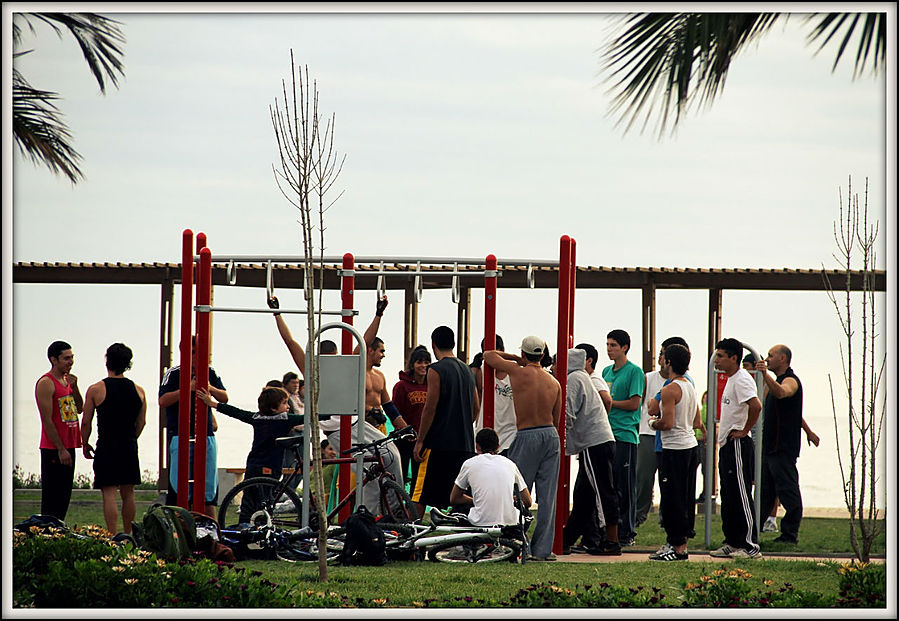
pixel 374 259
pixel 358 273
pixel 205 308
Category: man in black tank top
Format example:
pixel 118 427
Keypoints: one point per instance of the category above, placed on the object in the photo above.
pixel 781 440
pixel 446 435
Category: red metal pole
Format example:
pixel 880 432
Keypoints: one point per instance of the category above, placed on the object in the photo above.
pixel 572 278
pixel 489 339
pixel 187 279
pixel 562 493
pixel 348 283
pixel 204 287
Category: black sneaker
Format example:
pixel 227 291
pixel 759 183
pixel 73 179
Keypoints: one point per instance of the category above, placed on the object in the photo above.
pixel 785 539
pixel 608 548
pixel 626 542
pixel 668 553
pixel 576 549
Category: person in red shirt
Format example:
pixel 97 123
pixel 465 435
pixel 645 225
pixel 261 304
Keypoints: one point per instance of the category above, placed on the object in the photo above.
pixel 409 395
pixel 59 403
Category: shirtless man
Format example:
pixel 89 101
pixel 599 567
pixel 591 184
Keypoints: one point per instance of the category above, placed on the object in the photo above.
pixel 373 396
pixel 378 401
pixel 537 397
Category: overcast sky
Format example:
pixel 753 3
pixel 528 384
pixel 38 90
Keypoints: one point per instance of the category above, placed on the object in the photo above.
pixel 465 134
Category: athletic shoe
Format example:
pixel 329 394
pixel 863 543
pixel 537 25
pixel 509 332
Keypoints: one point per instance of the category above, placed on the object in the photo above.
pixel 578 549
pixel 785 539
pixel 626 542
pixel 724 551
pixel 668 553
pixel 540 559
pixel 608 548
pixel 770 526
pixel 742 553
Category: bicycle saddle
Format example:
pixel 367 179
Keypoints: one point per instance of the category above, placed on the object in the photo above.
pixel 289 441
pixel 439 518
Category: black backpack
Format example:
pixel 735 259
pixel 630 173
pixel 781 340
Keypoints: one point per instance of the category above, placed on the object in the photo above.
pixel 364 543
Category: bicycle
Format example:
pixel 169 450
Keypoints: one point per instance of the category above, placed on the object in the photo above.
pixel 265 501
pixel 269 542
pixel 450 538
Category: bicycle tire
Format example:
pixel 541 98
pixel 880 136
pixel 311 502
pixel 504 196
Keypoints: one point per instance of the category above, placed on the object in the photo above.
pixel 499 550
pixel 306 551
pixel 396 505
pixel 283 511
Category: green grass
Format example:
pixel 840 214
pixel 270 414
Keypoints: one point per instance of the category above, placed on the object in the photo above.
pixel 403 583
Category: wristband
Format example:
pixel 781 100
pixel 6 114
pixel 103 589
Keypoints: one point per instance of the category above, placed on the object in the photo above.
pixel 391 411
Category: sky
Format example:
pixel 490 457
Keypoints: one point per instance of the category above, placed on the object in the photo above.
pixel 465 134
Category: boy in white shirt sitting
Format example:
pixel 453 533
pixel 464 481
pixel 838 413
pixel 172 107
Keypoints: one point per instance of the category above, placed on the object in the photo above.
pixel 491 479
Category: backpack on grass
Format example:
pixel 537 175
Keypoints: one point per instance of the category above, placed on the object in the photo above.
pixel 365 543
pixel 167 530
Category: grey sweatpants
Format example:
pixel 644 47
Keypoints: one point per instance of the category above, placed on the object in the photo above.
pixel 536 452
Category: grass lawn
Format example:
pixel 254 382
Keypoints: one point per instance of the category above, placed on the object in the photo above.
pixel 402 583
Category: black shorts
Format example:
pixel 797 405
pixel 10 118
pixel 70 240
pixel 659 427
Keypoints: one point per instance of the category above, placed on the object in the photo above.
pixel 437 475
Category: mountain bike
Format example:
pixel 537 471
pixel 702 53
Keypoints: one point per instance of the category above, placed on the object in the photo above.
pixel 451 538
pixel 265 501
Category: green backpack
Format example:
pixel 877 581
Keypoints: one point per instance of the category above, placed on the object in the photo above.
pixel 167 530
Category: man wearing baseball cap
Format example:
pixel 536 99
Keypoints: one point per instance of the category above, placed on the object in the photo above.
pixel 537 397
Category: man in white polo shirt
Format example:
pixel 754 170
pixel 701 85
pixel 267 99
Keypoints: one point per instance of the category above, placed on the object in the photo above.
pixel 740 409
pixel 491 478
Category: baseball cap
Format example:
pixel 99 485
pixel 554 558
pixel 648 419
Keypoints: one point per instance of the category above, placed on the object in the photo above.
pixel 533 345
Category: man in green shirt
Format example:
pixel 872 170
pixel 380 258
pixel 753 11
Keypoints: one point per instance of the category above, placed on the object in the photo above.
pixel 626 383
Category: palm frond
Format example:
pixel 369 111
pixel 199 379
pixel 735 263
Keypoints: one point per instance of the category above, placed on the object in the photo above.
pixel 665 62
pixel 873 33
pixel 99 38
pixel 40 132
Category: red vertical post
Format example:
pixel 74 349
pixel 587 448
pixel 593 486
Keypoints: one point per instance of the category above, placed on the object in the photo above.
pixel 489 338
pixel 187 280
pixel 348 283
pixel 204 288
pixel 572 285
pixel 562 340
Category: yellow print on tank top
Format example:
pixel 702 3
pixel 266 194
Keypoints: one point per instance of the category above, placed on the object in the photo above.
pixel 67 410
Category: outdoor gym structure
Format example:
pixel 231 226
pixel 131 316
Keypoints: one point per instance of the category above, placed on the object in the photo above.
pixel 414 275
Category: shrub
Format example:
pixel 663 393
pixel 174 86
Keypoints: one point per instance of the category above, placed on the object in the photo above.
pixel 82 570
pixel 862 585
pixel 730 588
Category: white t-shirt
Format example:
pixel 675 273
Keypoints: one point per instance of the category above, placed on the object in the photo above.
pixel 504 423
pixel 599 383
pixel 739 390
pixel 492 479
pixel 681 436
pixel 654 382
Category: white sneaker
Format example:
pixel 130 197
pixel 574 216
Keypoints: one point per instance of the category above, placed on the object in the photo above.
pixel 724 551
pixel 770 526
pixel 741 553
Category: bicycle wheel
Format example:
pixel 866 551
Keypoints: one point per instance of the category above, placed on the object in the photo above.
pixel 396 505
pixel 306 550
pixel 261 501
pixel 476 552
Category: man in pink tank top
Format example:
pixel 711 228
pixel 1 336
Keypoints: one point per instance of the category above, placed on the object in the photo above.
pixel 59 403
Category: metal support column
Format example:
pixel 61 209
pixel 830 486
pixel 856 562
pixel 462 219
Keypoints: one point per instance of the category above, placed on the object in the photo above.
pixel 649 325
pixel 463 324
pixel 410 322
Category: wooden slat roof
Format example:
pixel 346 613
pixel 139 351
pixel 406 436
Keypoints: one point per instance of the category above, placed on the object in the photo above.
pixel 289 276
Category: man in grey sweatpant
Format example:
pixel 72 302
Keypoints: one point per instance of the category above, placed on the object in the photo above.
pixel 537 397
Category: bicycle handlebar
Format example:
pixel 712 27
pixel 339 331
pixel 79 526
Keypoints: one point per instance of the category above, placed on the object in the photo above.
pixel 406 433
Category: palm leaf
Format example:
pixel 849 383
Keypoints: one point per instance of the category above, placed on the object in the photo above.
pixel 38 126
pixel 873 34
pixel 664 63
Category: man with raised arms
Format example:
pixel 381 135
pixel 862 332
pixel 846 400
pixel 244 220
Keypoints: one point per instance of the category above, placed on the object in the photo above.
pixel 536 451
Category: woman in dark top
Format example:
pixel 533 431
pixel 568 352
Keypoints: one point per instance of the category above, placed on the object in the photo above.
pixel 121 407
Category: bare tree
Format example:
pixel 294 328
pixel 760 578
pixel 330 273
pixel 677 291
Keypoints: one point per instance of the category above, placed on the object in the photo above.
pixel 865 402
pixel 309 167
